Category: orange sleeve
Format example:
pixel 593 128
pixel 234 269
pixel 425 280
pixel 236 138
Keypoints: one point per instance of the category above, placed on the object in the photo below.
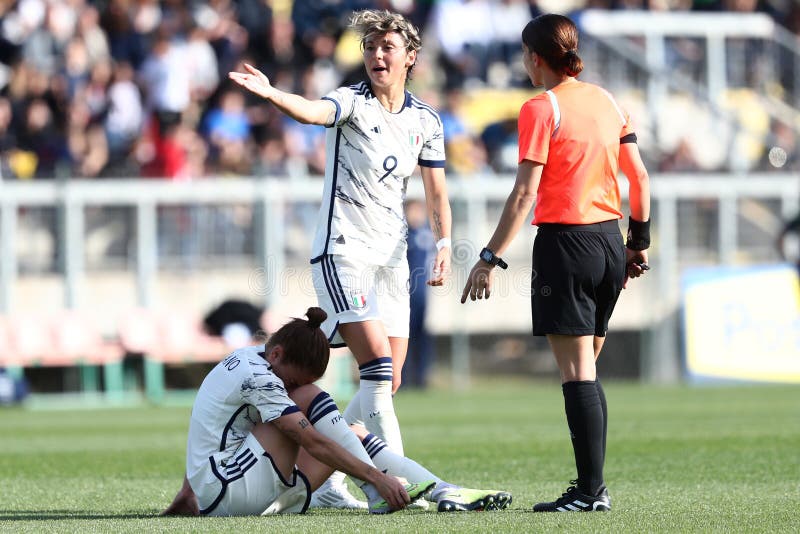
pixel 535 129
pixel 627 128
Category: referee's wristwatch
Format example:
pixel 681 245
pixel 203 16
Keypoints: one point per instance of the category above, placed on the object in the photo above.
pixel 489 257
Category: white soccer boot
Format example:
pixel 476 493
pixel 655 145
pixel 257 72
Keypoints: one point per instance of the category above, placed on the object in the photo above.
pixel 335 495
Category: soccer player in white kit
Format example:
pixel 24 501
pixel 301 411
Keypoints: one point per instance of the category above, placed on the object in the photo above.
pixel 378 133
pixel 262 437
pixel 252 414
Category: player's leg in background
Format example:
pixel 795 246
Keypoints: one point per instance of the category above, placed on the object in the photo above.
pixel 598 347
pixel 607 294
pixel 391 288
pixel 347 288
pixel 575 356
pixel 399 351
pixel 368 342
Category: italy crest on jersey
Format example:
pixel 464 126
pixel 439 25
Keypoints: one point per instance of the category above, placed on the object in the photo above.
pixel 358 300
pixel 414 139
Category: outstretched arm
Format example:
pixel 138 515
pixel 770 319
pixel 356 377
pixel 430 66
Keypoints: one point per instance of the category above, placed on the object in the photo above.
pixel 517 207
pixel 322 112
pixel 441 221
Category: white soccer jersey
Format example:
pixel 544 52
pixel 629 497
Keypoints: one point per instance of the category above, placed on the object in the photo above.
pixel 239 392
pixel 371 153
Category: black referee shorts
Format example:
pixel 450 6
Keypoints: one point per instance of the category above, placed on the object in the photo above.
pixel 578 270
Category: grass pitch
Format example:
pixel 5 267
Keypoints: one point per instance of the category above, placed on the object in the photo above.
pixel 713 459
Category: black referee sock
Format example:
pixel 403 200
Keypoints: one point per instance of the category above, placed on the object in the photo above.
pixel 605 414
pixel 585 419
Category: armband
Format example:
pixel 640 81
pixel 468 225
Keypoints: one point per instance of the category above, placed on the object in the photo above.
pixel 444 242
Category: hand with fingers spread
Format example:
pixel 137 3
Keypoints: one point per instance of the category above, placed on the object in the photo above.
pixel 479 282
pixel 254 81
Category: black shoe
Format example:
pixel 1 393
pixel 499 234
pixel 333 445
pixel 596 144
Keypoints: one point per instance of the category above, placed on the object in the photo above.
pixel 573 500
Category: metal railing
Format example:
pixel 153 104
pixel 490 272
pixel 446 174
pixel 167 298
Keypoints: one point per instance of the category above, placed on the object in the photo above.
pixel 630 49
pixel 476 202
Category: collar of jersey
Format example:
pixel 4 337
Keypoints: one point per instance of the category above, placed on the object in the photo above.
pixel 406 102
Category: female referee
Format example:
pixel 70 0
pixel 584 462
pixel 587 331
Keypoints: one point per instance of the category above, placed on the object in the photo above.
pixel 573 138
pixel 378 133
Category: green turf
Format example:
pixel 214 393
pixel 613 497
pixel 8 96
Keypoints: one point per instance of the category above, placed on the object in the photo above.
pixel 717 459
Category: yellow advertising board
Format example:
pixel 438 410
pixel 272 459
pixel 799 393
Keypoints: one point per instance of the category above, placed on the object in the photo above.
pixel 742 323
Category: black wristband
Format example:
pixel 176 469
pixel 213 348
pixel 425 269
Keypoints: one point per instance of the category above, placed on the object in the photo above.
pixel 638 234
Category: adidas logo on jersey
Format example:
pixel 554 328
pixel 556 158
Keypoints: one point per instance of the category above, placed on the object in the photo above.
pixel 340 240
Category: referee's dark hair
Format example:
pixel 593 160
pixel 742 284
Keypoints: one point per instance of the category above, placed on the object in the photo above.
pixel 304 344
pixel 555 39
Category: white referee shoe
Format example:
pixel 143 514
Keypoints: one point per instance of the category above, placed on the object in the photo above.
pixel 335 495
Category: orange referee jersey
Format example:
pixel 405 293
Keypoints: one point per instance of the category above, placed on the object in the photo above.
pixel 574 131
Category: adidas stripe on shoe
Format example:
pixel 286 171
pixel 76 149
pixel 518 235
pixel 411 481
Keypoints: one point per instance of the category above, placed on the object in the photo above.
pixel 335 495
pixel 573 500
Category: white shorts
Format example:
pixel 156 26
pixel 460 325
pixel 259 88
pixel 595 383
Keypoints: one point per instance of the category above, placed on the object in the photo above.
pixel 352 291
pixel 250 484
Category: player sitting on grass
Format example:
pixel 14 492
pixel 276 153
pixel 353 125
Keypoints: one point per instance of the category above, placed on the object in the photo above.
pixel 262 437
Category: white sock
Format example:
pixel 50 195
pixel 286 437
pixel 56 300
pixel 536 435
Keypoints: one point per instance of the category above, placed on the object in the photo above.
pixel 352 414
pixel 324 415
pixel 387 460
pixel 377 407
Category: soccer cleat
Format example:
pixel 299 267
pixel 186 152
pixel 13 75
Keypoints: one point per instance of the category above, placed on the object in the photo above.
pixel 415 491
pixel 573 500
pixel 467 500
pixel 335 495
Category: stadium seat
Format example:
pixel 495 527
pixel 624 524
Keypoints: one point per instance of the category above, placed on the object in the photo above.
pixel 8 356
pixel 76 339
pixel 747 106
pixel 166 337
pixel 30 339
pixel 169 337
pixel 181 338
pixel 138 331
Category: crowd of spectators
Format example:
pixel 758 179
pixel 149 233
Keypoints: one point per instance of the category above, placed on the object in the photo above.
pixel 128 88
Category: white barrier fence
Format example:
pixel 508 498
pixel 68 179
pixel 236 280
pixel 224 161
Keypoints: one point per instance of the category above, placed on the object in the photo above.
pixel 698 219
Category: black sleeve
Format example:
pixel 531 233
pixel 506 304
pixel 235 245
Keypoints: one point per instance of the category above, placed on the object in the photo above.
pixel 630 138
